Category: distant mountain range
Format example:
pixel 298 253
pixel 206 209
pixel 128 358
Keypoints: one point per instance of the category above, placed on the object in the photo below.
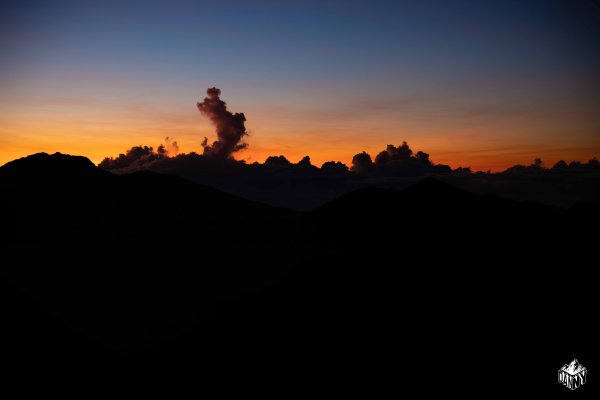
pixel 137 272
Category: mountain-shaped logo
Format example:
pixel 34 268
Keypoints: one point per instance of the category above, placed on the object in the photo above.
pixel 572 375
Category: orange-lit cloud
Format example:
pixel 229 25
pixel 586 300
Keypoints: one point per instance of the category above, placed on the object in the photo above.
pixel 483 136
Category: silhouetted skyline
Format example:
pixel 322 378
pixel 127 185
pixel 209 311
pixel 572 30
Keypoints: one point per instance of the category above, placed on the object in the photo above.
pixel 302 185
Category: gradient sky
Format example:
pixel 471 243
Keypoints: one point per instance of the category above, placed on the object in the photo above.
pixel 485 84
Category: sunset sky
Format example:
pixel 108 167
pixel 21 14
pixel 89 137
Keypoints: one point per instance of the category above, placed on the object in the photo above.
pixel 474 83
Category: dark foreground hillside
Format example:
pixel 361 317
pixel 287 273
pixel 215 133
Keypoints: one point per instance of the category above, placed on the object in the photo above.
pixel 146 278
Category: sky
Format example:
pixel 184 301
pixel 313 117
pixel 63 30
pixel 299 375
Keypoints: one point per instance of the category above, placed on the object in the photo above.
pixel 484 84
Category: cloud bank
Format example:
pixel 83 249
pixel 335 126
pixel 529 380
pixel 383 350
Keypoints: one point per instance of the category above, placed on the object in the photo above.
pixel 279 181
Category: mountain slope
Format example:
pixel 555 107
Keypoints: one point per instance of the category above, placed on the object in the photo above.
pixel 130 260
pixel 57 195
pixel 175 278
pixel 402 290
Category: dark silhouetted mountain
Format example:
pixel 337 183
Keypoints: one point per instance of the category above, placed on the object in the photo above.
pixel 377 200
pixel 66 195
pixel 36 341
pixel 377 290
pixel 132 257
pixel 42 168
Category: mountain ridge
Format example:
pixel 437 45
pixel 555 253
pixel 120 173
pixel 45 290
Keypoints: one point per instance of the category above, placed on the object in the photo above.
pixel 161 271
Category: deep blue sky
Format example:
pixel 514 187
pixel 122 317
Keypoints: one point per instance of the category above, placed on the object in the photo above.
pixel 487 82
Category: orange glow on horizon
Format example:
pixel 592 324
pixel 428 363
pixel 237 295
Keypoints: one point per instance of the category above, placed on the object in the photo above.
pixel 485 146
pixel 478 160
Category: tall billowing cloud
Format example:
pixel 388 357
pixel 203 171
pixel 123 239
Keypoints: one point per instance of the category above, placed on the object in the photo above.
pixel 230 126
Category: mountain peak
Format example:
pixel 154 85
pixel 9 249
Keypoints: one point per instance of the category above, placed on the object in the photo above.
pixel 46 159
pixel 431 188
pixel 430 183
pixel 44 166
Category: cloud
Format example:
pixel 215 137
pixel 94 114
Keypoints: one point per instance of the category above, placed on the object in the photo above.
pixel 170 148
pixel 362 163
pixel 560 167
pixel 334 168
pixel 137 157
pixel 140 157
pixel 397 161
pixel 277 161
pixel 230 127
pixel 301 185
